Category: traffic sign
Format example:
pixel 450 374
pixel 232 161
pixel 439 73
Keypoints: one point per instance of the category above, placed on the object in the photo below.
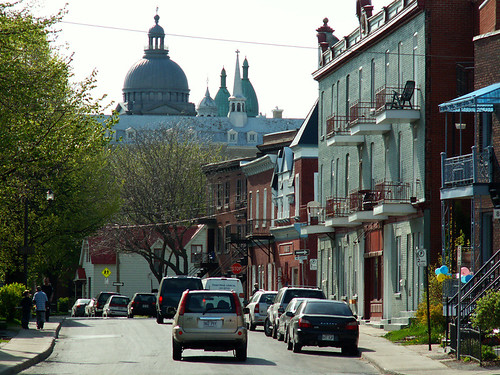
pixel 236 268
pixel 301 252
pixel 421 257
pixel 118 283
pixel 106 272
pixel 300 257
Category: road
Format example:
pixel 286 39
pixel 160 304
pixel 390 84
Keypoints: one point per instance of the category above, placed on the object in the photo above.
pixel 141 346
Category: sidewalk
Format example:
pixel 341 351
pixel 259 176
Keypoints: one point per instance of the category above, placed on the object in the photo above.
pixel 29 347
pixel 390 358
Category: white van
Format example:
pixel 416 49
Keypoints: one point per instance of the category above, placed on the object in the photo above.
pixel 225 283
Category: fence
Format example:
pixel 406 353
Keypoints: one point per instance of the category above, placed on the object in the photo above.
pixel 470 342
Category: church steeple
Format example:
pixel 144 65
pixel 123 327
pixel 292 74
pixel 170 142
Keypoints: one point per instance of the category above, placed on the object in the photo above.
pixel 237 111
pixel 222 97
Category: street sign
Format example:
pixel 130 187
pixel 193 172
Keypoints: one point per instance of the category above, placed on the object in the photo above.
pixel 300 257
pixel 118 283
pixel 236 268
pixel 421 257
pixel 106 272
pixel 313 264
pixel 301 252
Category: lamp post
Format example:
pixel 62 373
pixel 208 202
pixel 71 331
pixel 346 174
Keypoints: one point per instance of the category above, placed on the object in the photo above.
pixel 50 198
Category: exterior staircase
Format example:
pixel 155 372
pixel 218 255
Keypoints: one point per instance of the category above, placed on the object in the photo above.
pixel 392 324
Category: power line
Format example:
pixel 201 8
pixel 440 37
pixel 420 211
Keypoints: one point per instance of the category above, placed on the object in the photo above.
pixel 190 36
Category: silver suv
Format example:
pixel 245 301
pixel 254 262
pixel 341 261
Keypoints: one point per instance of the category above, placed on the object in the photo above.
pixel 284 296
pixel 211 320
pixel 257 307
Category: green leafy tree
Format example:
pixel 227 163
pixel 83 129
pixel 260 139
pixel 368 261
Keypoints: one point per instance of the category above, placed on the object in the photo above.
pixel 164 191
pixel 51 137
pixel 486 315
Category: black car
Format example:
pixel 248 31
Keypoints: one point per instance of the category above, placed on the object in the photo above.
pixel 170 292
pixel 101 300
pixel 142 304
pixel 323 323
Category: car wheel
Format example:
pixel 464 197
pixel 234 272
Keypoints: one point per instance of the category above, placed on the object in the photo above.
pixel 176 351
pixel 280 336
pixel 350 350
pixel 285 339
pixel 267 328
pixel 252 326
pixel 275 331
pixel 289 344
pixel 159 318
pixel 241 353
pixel 296 347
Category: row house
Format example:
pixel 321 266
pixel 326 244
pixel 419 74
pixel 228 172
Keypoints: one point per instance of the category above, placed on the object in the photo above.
pixel 379 145
pixel 470 176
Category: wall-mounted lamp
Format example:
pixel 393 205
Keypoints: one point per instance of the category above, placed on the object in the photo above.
pixel 460 126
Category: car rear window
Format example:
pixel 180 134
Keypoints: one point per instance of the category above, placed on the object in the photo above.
pixel 330 308
pixel 104 297
pixel 119 301
pixel 146 298
pixel 267 298
pixel 180 285
pixel 303 293
pixel 210 302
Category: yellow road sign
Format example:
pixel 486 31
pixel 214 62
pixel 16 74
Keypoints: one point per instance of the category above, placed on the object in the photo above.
pixel 106 272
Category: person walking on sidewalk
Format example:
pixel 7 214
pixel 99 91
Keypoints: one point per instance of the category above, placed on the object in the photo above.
pixel 41 300
pixel 26 305
pixel 49 291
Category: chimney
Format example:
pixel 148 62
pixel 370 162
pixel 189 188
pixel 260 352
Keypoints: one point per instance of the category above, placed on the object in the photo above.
pixel 277 113
pixel 325 36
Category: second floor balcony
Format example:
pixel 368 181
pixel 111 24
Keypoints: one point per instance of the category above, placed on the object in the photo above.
pixel 339 134
pixel 362 120
pixel 465 176
pixel 397 104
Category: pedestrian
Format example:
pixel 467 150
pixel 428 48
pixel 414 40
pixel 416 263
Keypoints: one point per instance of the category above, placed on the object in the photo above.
pixel 47 289
pixel 26 305
pixel 255 288
pixel 41 300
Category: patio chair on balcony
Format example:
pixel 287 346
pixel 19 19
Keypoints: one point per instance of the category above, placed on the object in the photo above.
pixel 399 99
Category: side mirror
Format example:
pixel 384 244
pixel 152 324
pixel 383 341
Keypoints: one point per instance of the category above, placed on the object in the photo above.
pixel 289 314
pixel 246 310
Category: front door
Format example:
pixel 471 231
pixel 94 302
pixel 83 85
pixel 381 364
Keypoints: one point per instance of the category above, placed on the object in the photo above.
pixel 373 275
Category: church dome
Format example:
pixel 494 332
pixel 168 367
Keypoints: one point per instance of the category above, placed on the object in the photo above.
pixel 156 84
pixel 207 106
pixel 252 104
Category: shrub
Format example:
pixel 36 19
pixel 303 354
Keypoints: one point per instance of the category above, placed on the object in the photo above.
pixel 10 299
pixel 63 304
pixel 486 316
pixel 487 353
pixel 435 301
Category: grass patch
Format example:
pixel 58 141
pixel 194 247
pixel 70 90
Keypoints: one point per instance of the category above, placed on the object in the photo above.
pixel 415 334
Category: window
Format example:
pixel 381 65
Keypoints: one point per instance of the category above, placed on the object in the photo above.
pixel 372 165
pixel 227 192
pixel 321 111
pixel 386 78
pixel 372 83
pixel 219 194
pixel 252 137
pixel 196 253
pixel 347 103
pixel 398 273
pixel 257 208
pixel 360 83
pixel 238 191
pixel 264 210
pixel 415 55
pixel 250 206
pixel 346 177
pixel 400 157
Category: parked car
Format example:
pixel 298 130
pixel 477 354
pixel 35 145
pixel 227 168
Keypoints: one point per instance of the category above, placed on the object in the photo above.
pixel 257 308
pixel 116 306
pixel 323 323
pixel 284 296
pixel 169 293
pixel 90 308
pixel 142 304
pixel 284 319
pixel 211 320
pixel 101 300
pixel 78 308
pixel 225 283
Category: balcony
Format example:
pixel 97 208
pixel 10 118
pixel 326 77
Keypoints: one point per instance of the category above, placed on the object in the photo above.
pixel 394 199
pixel 337 212
pixel 338 134
pixel 258 227
pixel 362 120
pixel 388 110
pixel 463 177
pixel 361 206
pixel 311 219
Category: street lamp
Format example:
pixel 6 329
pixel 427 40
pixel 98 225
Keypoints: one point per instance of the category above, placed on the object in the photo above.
pixel 50 198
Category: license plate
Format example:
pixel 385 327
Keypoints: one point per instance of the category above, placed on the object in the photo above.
pixel 211 323
pixel 145 306
pixel 328 337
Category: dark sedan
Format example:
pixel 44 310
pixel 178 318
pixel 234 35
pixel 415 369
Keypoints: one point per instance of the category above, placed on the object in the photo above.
pixel 142 304
pixel 323 323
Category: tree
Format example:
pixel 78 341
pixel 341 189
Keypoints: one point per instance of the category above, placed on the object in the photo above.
pixel 163 194
pixel 51 137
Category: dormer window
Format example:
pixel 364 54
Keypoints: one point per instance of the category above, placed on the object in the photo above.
pixel 232 136
pixel 252 137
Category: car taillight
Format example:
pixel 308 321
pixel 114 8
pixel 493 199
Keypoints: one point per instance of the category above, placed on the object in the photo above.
pixel 256 309
pixel 351 326
pixel 237 304
pixel 304 323
pixel 182 304
pixel 160 299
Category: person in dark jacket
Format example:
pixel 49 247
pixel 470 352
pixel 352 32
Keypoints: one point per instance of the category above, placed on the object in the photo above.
pixel 26 305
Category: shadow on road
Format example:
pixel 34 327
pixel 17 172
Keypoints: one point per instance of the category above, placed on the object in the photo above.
pixel 227 360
